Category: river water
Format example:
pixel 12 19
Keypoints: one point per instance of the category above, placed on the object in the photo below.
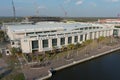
pixel 106 67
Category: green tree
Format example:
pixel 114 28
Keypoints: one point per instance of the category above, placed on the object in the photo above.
pixel 1 35
pixel 14 51
pixel 77 45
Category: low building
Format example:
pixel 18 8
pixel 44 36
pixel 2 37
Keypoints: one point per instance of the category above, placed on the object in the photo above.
pixel 43 36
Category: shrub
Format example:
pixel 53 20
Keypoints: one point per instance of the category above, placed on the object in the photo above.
pixel 19 76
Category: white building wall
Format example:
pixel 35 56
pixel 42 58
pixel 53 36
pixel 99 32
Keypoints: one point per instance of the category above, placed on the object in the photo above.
pixel 66 40
pixel 100 33
pixel 79 38
pixel 104 32
pixel 97 34
pixel 50 43
pixel 40 45
pixel 19 36
pixel 26 46
pixel 72 39
pixel 83 37
pixel 93 35
pixel 58 42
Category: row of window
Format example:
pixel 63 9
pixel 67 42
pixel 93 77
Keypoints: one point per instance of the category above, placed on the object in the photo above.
pixel 86 28
pixel 54 42
pixel 45 42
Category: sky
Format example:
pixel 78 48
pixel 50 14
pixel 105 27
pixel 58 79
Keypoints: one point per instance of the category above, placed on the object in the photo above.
pixel 64 8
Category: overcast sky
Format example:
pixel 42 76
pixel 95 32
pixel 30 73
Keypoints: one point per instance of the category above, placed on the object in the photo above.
pixel 71 8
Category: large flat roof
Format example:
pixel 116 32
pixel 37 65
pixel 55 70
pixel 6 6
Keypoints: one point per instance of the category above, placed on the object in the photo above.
pixel 47 26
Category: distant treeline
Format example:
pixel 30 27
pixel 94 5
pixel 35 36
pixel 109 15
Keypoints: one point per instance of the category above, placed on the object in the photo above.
pixel 78 19
pixel 10 19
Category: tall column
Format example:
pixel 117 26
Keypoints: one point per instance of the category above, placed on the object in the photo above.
pixel 72 39
pixel 50 43
pixel 88 36
pixel 58 42
pixel 30 45
pixel 66 40
pixel 97 34
pixel 40 45
pixel 78 38
pixel 83 37
pixel 93 35
pixel 104 34
pixel 100 33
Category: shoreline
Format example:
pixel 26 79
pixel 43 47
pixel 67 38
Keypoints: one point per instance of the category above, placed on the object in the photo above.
pixel 78 62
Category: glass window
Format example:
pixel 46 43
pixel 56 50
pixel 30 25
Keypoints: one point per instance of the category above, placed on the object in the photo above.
pixel 45 43
pixel 34 44
pixel 85 37
pixel 69 40
pixel 93 27
pixel 76 39
pixel 81 28
pixel 62 41
pixel 90 27
pixel 86 28
pixel 54 42
pixel 115 32
pixel 81 37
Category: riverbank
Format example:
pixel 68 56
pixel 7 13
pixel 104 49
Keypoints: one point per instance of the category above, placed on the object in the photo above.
pixel 100 52
pixel 86 59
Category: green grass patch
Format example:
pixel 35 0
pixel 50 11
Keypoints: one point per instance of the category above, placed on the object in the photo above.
pixel 0 55
pixel 19 76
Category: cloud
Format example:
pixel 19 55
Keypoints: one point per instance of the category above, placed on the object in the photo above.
pixel 79 2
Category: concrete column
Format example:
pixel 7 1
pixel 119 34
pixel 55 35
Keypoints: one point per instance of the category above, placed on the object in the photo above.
pixel 78 38
pixel 72 39
pixel 58 42
pixel 100 33
pixel 88 36
pixel 30 45
pixel 104 34
pixel 50 43
pixel 83 37
pixel 93 35
pixel 66 40
pixel 40 45
pixel 97 34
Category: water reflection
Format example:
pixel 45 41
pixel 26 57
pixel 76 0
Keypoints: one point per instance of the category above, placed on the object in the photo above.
pixel 103 68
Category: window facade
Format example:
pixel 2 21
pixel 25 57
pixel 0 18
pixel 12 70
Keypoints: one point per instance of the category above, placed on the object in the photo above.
pixel 34 44
pixel 81 37
pixel 45 43
pixel 54 42
pixel 85 37
pixel 69 40
pixel 76 39
pixel 62 41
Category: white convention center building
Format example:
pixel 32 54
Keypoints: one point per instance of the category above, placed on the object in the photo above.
pixel 43 36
